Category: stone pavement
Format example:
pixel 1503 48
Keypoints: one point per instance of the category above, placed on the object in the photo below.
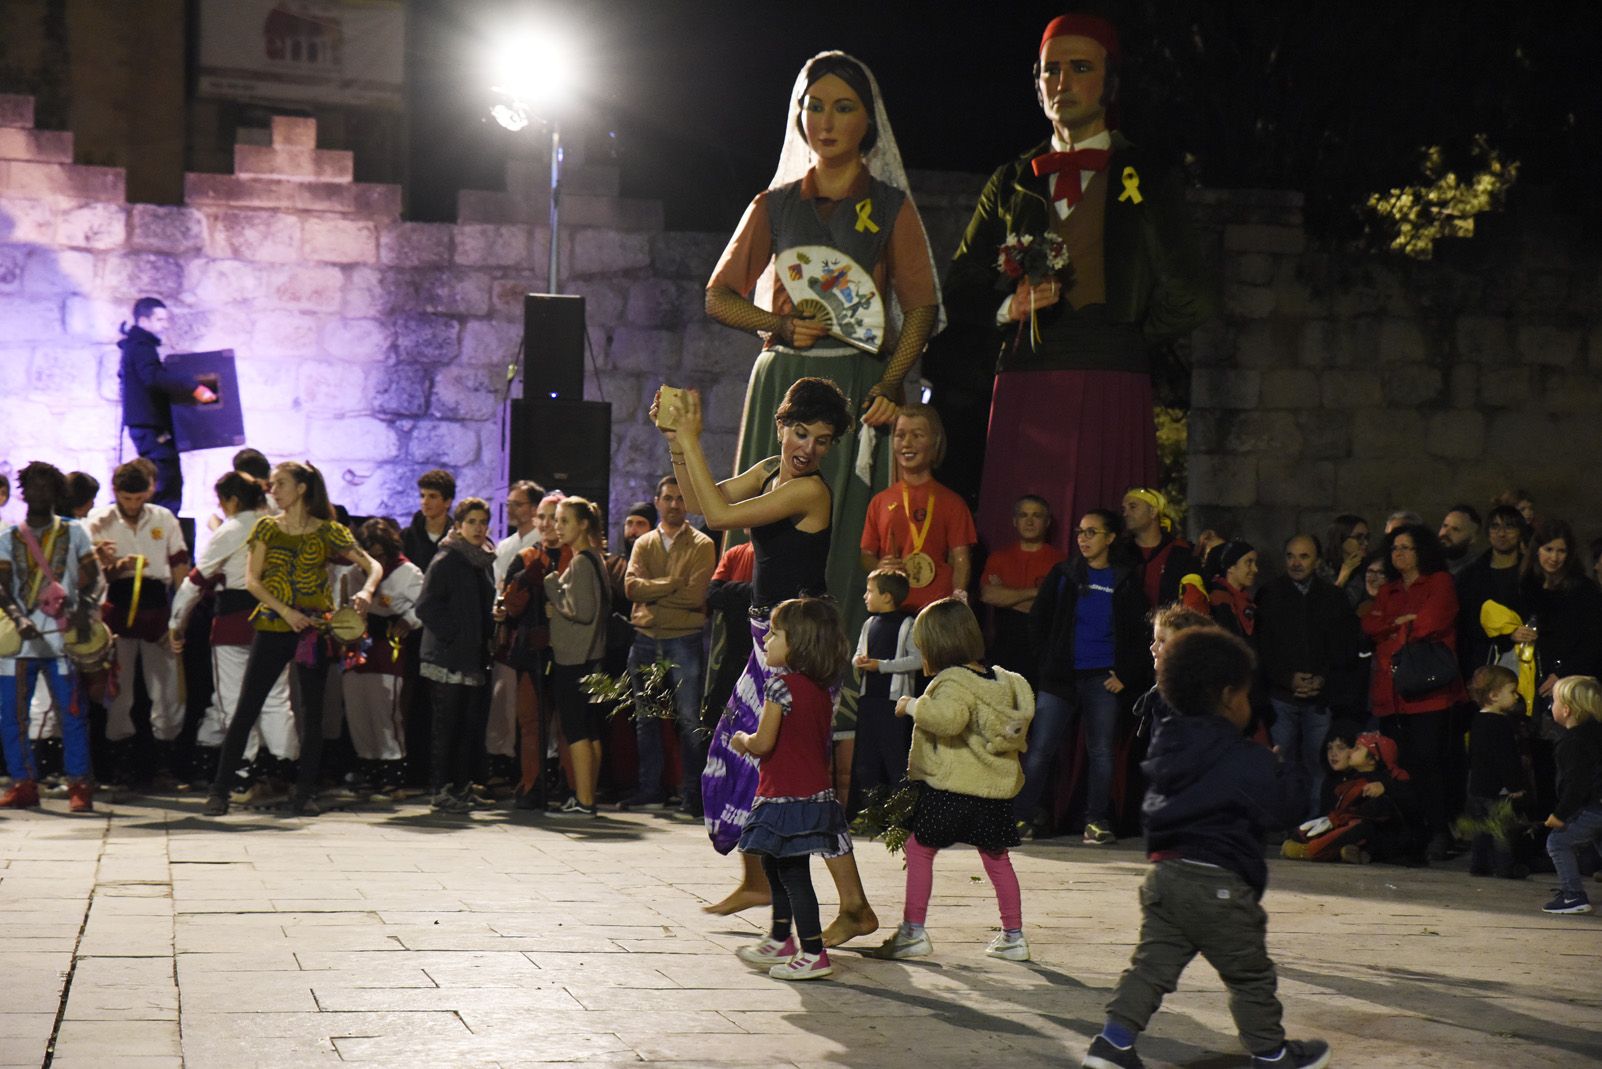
pixel 147 936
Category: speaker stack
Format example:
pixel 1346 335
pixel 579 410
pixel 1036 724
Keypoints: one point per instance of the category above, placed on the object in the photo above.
pixel 551 434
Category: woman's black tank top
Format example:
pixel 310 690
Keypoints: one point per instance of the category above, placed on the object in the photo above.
pixel 788 563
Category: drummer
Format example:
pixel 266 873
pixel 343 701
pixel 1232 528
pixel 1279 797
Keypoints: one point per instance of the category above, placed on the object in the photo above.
pixel 48 579
pixel 222 570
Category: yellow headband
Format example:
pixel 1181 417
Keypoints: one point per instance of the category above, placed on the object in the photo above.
pixel 1156 500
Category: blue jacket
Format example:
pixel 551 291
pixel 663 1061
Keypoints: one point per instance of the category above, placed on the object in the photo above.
pixel 147 386
pixel 1214 793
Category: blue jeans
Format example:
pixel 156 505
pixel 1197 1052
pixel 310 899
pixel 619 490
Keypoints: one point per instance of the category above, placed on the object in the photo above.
pixel 16 698
pixel 1299 732
pixel 1584 827
pixel 684 653
pixel 1055 718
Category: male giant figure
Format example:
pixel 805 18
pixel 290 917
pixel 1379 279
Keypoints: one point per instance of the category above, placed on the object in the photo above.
pixel 1071 410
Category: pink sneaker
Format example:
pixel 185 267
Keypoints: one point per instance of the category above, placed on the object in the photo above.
pixel 803 966
pixel 769 952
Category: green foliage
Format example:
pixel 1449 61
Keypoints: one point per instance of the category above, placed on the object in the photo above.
pixel 1172 439
pixel 617 692
pixel 888 816
pixel 1411 219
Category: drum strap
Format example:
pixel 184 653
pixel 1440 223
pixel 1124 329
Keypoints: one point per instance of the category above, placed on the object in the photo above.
pixel 41 557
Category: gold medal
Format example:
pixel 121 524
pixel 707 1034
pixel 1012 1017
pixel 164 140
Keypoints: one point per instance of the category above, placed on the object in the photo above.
pixel 920 569
pixel 919 565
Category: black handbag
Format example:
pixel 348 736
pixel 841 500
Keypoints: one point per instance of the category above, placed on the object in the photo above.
pixel 1421 668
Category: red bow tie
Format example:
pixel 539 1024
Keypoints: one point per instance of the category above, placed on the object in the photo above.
pixel 1067 165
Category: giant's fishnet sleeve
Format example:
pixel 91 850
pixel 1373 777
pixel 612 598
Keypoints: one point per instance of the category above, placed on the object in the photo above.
pixel 733 310
pixel 916 326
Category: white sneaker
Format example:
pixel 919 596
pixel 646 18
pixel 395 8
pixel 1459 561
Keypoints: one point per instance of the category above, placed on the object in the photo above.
pixel 1010 947
pixel 803 966
pixel 769 952
pixel 905 945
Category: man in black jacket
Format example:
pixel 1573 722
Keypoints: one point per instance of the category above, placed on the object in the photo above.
pixel 148 390
pixel 1307 641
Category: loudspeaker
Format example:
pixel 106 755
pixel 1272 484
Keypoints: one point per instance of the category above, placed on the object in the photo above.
pixel 221 423
pixel 553 346
pixel 562 445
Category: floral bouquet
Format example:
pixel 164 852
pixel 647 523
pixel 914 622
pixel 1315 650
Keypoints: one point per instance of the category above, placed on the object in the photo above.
pixel 1033 258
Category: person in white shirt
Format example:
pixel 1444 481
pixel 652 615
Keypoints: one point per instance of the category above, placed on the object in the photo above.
pixel 221 571
pixel 372 686
pixel 511 689
pixel 142 551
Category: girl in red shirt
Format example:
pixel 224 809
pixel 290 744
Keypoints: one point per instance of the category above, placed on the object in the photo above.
pixel 795 814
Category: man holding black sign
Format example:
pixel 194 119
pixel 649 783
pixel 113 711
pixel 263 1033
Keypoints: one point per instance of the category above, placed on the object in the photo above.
pixel 148 390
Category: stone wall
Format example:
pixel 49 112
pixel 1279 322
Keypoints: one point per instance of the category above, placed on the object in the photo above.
pixel 374 346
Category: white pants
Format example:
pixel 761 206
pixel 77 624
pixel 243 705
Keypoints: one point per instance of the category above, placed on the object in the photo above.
pixel 42 720
pixel 275 726
pixel 161 681
pixel 373 711
pixel 500 734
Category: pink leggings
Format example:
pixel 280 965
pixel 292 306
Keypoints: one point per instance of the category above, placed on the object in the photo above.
pixel 920 880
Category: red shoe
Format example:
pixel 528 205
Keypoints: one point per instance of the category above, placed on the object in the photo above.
pixel 23 794
pixel 80 798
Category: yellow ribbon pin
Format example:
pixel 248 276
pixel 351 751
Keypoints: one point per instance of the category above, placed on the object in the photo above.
pixel 1131 186
pixel 863 222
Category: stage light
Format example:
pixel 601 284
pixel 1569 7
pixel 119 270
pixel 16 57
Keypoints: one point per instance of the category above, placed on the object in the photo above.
pixel 513 116
pixel 534 69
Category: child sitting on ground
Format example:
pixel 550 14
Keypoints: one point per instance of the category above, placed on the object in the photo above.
pixel 1213 794
pixel 887 659
pixel 1373 813
pixel 1576 819
pixel 968 730
pixel 1496 774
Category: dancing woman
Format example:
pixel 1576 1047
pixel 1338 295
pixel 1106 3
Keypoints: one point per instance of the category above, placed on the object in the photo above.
pixel 786 503
pixel 288 573
pixel 840 183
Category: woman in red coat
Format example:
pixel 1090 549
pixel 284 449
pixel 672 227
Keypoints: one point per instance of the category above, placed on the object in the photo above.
pixel 1418 603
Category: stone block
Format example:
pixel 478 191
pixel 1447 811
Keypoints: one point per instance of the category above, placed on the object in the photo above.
pixel 684 254
pixel 348 438
pixel 1484 339
pixel 311 288
pixel 467 392
pixel 1248 302
pixel 305 164
pixel 58 272
pixel 87 317
pixel 1289 240
pixel 1287 482
pixel 164 228
pixel 214 326
pixel 725 401
pixel 61 372
pixel 1225 388
pixel 1212 345
pixel 1565 391
pixel 46 146
pixel 1547 344
pixel 1402 341
pixel 27 220
pixel 482 245
pixel 283 435
pixel 449 291
pixel 426 339
pixel 332 388
pixel 294 131
pixel 1217 479
pixel 437 444
pixel 648 351
pixel 1456 435
pixel 139 274
pixel 1265 344
pixel 604 301
pixel 629 395
pixel 416 244
pixel 71 181
pixel 1411 384
pixel 253 235
pixel 487 206
pixel 366 292
pixel 1290 388
pixel 359 341
pixel 1350 388
pixel 402 391
pixel 1205 429
pixel 16 110
pixel 285 334
pixel 1297 293
pixel 656 303
pixel 716 349
pixel 611 213
pixel 93 226
pixel 12 259
pixel 14 383
pixel 270 378
pixel 225 281
pixel 488 343
pixel 1326 435
pixel 506 297
pixel 608 252
pixel 339 241
pixel 1505 386
pixel 1273 433
pixel 1463 385
pixel 1387 432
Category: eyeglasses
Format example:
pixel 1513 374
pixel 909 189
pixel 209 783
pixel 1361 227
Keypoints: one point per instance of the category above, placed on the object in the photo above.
pixel 1089 532
pixel 1355 537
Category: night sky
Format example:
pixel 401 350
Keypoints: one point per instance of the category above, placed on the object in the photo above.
pixel 1336 100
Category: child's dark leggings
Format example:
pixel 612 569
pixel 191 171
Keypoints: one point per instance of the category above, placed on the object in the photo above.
pixel 793 899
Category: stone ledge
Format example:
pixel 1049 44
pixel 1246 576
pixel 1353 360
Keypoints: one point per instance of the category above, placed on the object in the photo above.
pixel 46 146
pixel 72 181
pixel 355 198
pixel 16 110
pixel 295 164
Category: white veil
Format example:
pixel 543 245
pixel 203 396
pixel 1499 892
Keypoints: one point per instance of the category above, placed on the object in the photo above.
pixel 883 162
